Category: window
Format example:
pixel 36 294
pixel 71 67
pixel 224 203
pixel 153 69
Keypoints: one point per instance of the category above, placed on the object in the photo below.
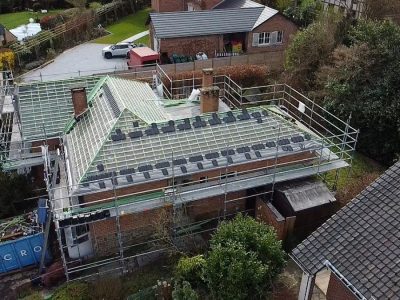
pixel 264 38
pixel 80 234
pixel 267 38
pixel 279 37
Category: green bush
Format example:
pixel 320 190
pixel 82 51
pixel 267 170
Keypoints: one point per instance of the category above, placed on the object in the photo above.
pixel 231 272
pixel 362 80
pixel 95 5
pixel 244 260
pixel 190 269
pixel 183 291
pixel 72 291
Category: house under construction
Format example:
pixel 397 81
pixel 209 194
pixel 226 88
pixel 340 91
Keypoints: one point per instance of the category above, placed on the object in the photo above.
pixel 132 172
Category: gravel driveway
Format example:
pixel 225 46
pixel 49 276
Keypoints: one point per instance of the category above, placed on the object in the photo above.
pixel 82 60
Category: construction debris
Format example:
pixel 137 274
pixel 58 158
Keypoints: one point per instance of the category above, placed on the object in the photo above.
pixel 18 226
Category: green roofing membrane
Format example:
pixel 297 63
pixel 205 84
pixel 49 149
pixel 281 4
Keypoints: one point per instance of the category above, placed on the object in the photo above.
pixel 119 202
pixel 47 106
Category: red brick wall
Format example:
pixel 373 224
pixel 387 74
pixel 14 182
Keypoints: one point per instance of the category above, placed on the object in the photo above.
pixel 140 227
pixel 181 5
pixel 266 213
pixel 158 185
pixel 337 290
pixel 135 228
pixel 209 4
pixel 276 23
pixel 168 5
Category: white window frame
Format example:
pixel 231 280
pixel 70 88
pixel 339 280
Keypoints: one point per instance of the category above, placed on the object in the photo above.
pixel 262 39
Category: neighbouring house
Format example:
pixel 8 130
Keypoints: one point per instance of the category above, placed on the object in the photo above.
pixel 183 5
pixel 354 7
pixel 357 251
pixel 221 32
pixel 6 37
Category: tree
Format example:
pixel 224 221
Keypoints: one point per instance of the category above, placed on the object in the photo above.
pixel 13 188
pixel 305 13
pixel 311 48
pixel 364 79
pixel 244 259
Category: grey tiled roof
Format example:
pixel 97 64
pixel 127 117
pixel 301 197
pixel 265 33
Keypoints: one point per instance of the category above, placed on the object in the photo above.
pixel 209 22
pixel 362 240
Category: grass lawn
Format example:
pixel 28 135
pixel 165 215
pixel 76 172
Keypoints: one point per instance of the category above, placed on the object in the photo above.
pixel 13 20
pixel 126 27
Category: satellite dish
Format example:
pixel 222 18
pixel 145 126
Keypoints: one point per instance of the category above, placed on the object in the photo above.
pixel 31 20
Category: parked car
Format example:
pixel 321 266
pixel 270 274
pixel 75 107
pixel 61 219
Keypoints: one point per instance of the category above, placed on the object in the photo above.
pixel 117 50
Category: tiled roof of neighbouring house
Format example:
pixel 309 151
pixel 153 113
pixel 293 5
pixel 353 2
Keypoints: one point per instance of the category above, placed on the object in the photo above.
pixel 209 22
pixel 362 240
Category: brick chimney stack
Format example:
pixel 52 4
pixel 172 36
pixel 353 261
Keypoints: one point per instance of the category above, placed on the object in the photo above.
pixel 79 100
pixel 209 94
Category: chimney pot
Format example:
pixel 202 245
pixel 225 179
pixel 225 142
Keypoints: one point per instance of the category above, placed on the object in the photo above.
pixel 208 77
pixel 79 100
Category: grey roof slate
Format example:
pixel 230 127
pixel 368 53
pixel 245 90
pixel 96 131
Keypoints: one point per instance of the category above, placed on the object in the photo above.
pixel 362 240
pixel 303 195
pixel 209 22
pixel 237 4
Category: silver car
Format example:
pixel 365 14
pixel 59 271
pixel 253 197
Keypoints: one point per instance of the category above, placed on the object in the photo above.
pixel 117 50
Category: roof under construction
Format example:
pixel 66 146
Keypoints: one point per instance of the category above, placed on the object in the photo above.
pixel 45 107
pixel 137 143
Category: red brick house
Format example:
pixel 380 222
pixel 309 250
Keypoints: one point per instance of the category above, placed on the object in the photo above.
pixel 221 32
pixel 182 5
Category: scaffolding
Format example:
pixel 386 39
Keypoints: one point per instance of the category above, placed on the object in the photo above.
pixel 332 143
pixel 336 142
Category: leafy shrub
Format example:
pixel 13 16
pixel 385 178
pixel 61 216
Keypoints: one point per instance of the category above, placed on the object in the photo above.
pixel 190 269
pixel 246 75
pixel 95 5
pixel 72 291
pixel 244 260
pixel 231 272
pixel 183 291
pixel 7 59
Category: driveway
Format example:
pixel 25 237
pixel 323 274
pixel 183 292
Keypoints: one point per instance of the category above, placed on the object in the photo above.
pixel 82 60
